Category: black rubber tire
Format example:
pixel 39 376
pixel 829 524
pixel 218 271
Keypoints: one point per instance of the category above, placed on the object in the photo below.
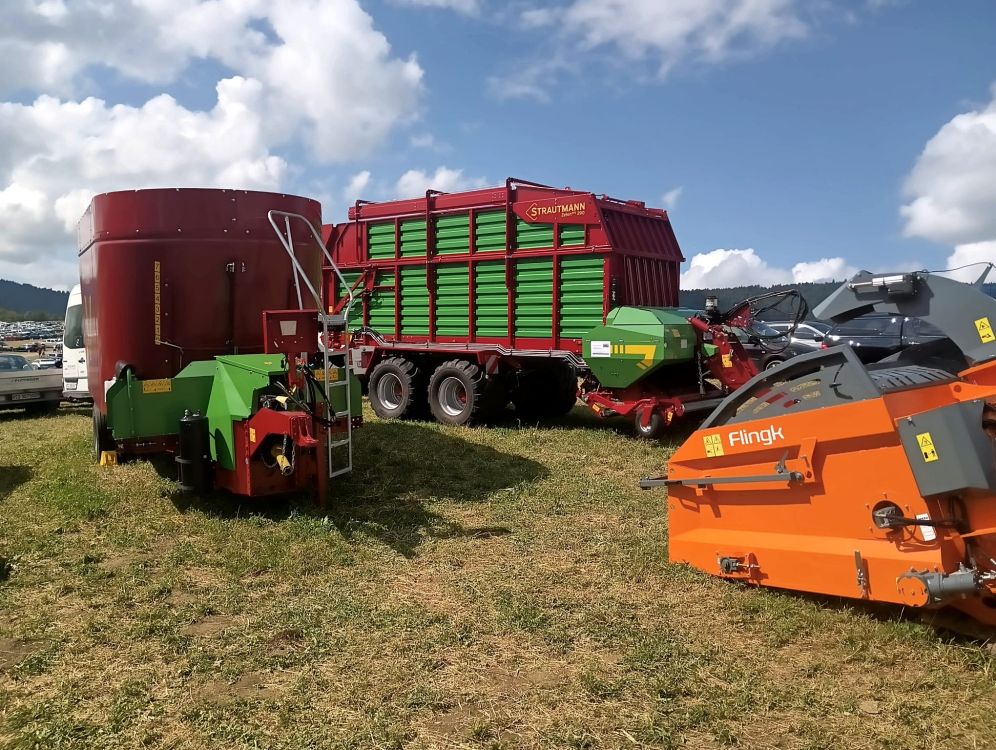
pixel 102 438
pixel 652 431
pixel 465 402
pixel 408 399
pixel 546 393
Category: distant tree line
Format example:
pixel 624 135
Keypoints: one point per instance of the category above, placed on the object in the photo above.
pixel 34 302
pixel 12 316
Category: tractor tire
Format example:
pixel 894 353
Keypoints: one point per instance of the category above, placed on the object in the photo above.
pixel 653 430
pixel 397 389
pixel 460 394
pixel 102 438
pixel 546 393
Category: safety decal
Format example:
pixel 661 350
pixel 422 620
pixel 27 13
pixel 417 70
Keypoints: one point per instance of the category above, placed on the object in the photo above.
pixel 252 434
pixel 927 532
pixel 601 348
pixel 927 449
pixel 713 445
pixel 727 360
pixel 164 385
pixel 985 330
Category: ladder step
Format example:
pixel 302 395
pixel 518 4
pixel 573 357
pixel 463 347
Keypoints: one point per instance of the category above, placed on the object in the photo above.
pixel 340 472
pixel 339 443
pixel 338 384
pixel 341 414
pixel 335 320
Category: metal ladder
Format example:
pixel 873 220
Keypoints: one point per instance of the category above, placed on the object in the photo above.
pixel 287 240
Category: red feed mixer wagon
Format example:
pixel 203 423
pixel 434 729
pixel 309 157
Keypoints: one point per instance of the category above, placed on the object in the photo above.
pixel 466 301
pixel 202 319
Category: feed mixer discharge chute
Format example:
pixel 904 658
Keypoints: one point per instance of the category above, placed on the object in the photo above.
pixel 874 482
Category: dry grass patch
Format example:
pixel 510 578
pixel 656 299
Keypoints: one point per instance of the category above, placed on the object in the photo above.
pixel 494 588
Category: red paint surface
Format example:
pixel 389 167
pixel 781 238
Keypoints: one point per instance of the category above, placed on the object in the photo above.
pixel 220 267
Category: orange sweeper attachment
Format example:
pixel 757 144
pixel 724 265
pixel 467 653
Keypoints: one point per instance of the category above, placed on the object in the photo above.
pixel 874 482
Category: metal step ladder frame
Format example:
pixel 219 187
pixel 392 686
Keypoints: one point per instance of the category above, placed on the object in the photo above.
pixel 287 241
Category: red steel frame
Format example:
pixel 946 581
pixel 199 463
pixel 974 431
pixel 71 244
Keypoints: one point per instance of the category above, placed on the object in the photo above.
pixel 636 242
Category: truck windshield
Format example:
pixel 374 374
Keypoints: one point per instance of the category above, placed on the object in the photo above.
pixel 10 362
pixel 73 337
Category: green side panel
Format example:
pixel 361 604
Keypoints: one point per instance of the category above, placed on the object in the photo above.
pixel 571 234
pixel 412 238
pixel 134 413
pixel 582 279
pixel 414 302
pixel 529 236
pixel 380 240
pixel 490 299
pixel 534 297
pixel 636 341
pixel 382 305
pixel 238 380
pixel 452 299
pixel 453 234
pixel 489 231
pixel 338 394
pixel 356 311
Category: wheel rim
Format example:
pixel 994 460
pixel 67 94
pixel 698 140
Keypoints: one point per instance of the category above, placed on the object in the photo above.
pixel 452 397
pixel 773 364
pixel 390 390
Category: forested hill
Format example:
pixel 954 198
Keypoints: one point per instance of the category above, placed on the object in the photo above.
pixel 27 302
pixel 813 293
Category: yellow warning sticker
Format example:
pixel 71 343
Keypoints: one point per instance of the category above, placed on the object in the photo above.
pixel 985 329
pixel 163 385
pixel 727 360
pixel 252 434
pixel 333 374
pixel 927 449
pixel 713 445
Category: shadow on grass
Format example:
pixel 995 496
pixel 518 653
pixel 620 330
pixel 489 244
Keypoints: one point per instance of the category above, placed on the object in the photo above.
pixel 399 468
pixel 12 477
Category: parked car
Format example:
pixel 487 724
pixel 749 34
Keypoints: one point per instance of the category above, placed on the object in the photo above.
pixel 767 346
pixel 22 385
pixel 874 337
pixel 809 333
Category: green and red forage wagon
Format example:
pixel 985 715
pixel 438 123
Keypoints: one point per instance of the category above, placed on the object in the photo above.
pixel 466 301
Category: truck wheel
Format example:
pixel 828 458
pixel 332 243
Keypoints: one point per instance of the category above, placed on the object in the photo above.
pixel 653 430
pixel 397 389
pixel 459 394
pixel 102 438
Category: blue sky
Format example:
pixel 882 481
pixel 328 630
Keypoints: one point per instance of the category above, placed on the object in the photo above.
pixel 782 131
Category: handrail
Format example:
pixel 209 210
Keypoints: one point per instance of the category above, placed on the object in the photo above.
pixel 287 241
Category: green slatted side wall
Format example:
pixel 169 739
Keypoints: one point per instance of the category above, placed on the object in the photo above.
pixel 452 305
pixel 582 280
pixel 528 236
pixel 414 302
pixel 571 234
pixel 453 234
pixel 382 305
pixel 356 312
pixel 489 231
pixel 490 299
pixel 380 240
pixel 534 297
pixel 412 238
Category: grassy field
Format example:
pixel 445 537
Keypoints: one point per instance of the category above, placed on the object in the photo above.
pixel 492 588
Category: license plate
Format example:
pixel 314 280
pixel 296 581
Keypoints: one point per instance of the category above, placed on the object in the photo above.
pixel 24 396
pixel 70 386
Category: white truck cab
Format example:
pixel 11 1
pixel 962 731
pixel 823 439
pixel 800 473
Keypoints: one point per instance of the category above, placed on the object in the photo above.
pixel 74 379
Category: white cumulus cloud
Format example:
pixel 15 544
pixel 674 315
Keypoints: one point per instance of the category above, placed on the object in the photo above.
pixel 952 190
pixel 316 71
pixel 470 7
pixel 722 268
pixel 663 34
pixel 415 182
pixel 670 199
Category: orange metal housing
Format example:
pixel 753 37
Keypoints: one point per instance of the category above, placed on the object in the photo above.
pixel 817 534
